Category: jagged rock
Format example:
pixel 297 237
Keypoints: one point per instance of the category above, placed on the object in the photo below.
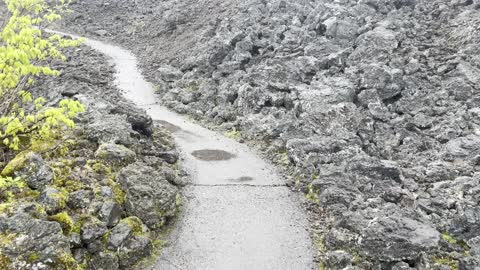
pixel 171 157
pixel 37 173
pixel 101 32
pixel 340 29
pixel 109 129
pixel 80 199
pixel 474 244
pixel 402 266
pixel 24 236
pixel 391 235
pixel 467 225
pixel 53 200
pixel 110 213
pixel 104 261
pixel 115 153
pixel 338 259
pixel 106 192
pixel 169 73
pixel 133 250
pixel 92 230
pixel 469 263
pixel 376 44
pixel 137 117
pixel 149 195
pixel 119 235
pixel 75 240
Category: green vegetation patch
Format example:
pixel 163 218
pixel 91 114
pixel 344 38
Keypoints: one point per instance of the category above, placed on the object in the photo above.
pixel 65 221
pixel 135 224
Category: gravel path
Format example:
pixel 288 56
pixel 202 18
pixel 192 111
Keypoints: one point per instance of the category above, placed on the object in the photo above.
pixel 238 213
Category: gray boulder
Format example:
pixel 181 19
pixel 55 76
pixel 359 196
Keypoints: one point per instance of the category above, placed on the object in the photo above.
pixel 119 235
pixel 92 230
pixel 115 153
pixel 391 234
pixel 53 200
pixel 376 44
pixel 109 128
pixel 80 199
pixel 37 173
pixel 149 195
pixel 133 250
pixel 139 120
pixel 104 261
pixel 338 259
pixel 169 74
pixel 110 213
pixel 26 237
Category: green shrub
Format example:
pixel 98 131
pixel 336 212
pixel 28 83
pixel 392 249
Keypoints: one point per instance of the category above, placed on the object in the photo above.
pixel 25 52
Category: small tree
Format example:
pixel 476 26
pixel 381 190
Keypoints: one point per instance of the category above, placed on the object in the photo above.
pixel 24 55
pixel 25 52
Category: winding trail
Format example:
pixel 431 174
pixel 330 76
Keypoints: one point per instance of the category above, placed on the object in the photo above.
pixel 238 212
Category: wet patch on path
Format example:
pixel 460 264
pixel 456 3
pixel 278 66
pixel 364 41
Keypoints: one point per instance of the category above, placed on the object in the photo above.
pixel 242 179
pixel 171 127
pixel 212 155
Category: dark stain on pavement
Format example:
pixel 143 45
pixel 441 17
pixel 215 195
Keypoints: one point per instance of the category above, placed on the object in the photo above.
pixel 212 155
pixel 242 179
pixel 169 126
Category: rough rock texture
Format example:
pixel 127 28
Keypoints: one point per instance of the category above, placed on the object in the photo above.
pixel 73 202
pixel 31 242
pixel 37 174
pixel 149 195
pixel 373 102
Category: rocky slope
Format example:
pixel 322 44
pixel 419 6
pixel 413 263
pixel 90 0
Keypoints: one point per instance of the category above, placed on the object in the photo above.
pixel 99 200
pixel 375 103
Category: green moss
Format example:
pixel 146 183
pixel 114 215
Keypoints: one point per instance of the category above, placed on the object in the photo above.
pixel 158 243
pixel 356 257
pixel 61 197
pixel 99 167
pixel 77 226
pixel 192 86
pixel 6 208
pixel 105 237
pixel 178 200
pixel 312 194
pixel 72 185
pixel 65 221
pixel 61 174
pixel 67 262
pixel 135 224
pixel 29 193
pixel 118 193
pixel 15 164
pixel 284 160
pixel 319 243
pixel 32 257
pixel 4 262
pixel 6 239
pixel 40 211
pixel 448 261
pixel 233 134
pixel 450 239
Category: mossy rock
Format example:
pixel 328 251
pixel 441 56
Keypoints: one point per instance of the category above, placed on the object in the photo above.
pixel 135 224
pixel 16 164
pixel 65 221
pixel 54 200
pixel 115 154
